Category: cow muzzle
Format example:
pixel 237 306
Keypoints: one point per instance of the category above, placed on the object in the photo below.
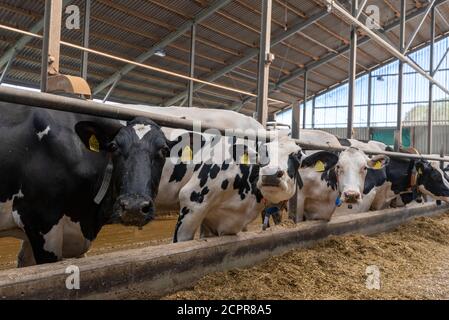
pixel 351 196
pixel 134 210
pixel 272 180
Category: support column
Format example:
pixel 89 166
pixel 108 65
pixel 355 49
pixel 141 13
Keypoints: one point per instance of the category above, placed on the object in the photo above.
pixel 265 59
pixel 398 134
pixel 352 71
pixel 86 35
pixel 52 37
pixel 431 69
pixel 306 89
pixel 313 112
pixel 370 88
pixel 192 64
pixel 296 129
pixel 296 120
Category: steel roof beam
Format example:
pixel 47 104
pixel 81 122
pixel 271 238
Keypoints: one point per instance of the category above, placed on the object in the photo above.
pixel 251 53
pixel 204 14
pixel 22 42
pixel 333 55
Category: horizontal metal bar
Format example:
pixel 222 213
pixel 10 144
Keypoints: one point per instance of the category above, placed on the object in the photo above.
pixel 120 112
pixel 308 146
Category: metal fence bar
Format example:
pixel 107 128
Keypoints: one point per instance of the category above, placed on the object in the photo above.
pixel 55 102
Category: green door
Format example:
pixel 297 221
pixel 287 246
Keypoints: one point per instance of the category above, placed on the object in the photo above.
pixel 386 135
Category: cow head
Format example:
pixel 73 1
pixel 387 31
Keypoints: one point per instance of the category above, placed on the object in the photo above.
pixel 431 180
pixel 351 170
pixel 137 151
pixel 278 175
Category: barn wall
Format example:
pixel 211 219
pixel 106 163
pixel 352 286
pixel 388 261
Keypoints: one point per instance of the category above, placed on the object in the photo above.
pixel 418 136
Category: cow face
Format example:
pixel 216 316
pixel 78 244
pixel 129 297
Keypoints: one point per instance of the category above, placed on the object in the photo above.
pixel 278 175
pixel 138 151
pixel 432 181
pixel 351 170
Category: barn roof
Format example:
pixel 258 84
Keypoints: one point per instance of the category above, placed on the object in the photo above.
pixel 228 37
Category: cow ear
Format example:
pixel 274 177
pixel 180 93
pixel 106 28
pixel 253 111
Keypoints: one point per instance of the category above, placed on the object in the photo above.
pixel 321 161
pixel 96 136
pixel 378 162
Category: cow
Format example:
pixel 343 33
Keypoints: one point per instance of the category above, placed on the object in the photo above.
pixel 331 179
pixel 364 146
pixel 66 175
pixel 223 197
pixel 432 181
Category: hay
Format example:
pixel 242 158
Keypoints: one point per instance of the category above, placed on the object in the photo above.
pixel 412 260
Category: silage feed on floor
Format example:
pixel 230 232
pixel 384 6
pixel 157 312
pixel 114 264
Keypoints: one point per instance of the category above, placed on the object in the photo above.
pixel 413 261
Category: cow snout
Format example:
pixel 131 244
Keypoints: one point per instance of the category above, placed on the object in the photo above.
pixel 351 196
pixel 273 180
pixel 135 210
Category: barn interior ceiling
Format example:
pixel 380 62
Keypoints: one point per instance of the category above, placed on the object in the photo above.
pixel 304 36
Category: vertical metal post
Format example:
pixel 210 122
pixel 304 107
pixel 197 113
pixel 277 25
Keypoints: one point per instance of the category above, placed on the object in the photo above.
pixel 296 129
pixel 398 135
pixel 306 76
pixel 370 88
pixel 52 37
pixel 296 120
pixel 313 112
pixel 86 35
pixel 431 62
pixel 7 67
pixel 352 72
pixel 265 59
pixel 192 64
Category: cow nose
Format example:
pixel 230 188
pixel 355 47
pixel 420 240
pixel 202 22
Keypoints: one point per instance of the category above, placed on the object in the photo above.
pixel 280 174
pixel 124 204
pixel 145 207
pixel 351 196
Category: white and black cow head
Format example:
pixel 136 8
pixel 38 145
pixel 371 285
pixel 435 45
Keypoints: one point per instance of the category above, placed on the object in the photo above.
pixel 278 175
pixel 351 171
pixel 138 152
pixel 431 180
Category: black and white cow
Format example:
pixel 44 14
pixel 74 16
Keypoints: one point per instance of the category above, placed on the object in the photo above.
pixel 406 179
pixel 330 180
pixel 65 175
pixel 224 197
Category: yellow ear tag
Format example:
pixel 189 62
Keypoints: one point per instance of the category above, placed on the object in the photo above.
pixel 319 166
pixel 94 145
pixel 377 165
pixel 187 154
pixel 244 159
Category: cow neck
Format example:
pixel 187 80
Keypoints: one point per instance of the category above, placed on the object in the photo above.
pixel 106 181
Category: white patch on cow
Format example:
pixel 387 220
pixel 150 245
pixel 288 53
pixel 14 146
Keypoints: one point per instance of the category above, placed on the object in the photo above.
pixel 141 129
pixel 278 152
pixel 43 133
pixel 53 239
pixel 75 244
pixel 351 173
pixel 10 219
pixel 436 166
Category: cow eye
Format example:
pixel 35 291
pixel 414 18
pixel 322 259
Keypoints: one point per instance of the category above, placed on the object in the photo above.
pixel 112 147
pixel 365 168
pixel 164 152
